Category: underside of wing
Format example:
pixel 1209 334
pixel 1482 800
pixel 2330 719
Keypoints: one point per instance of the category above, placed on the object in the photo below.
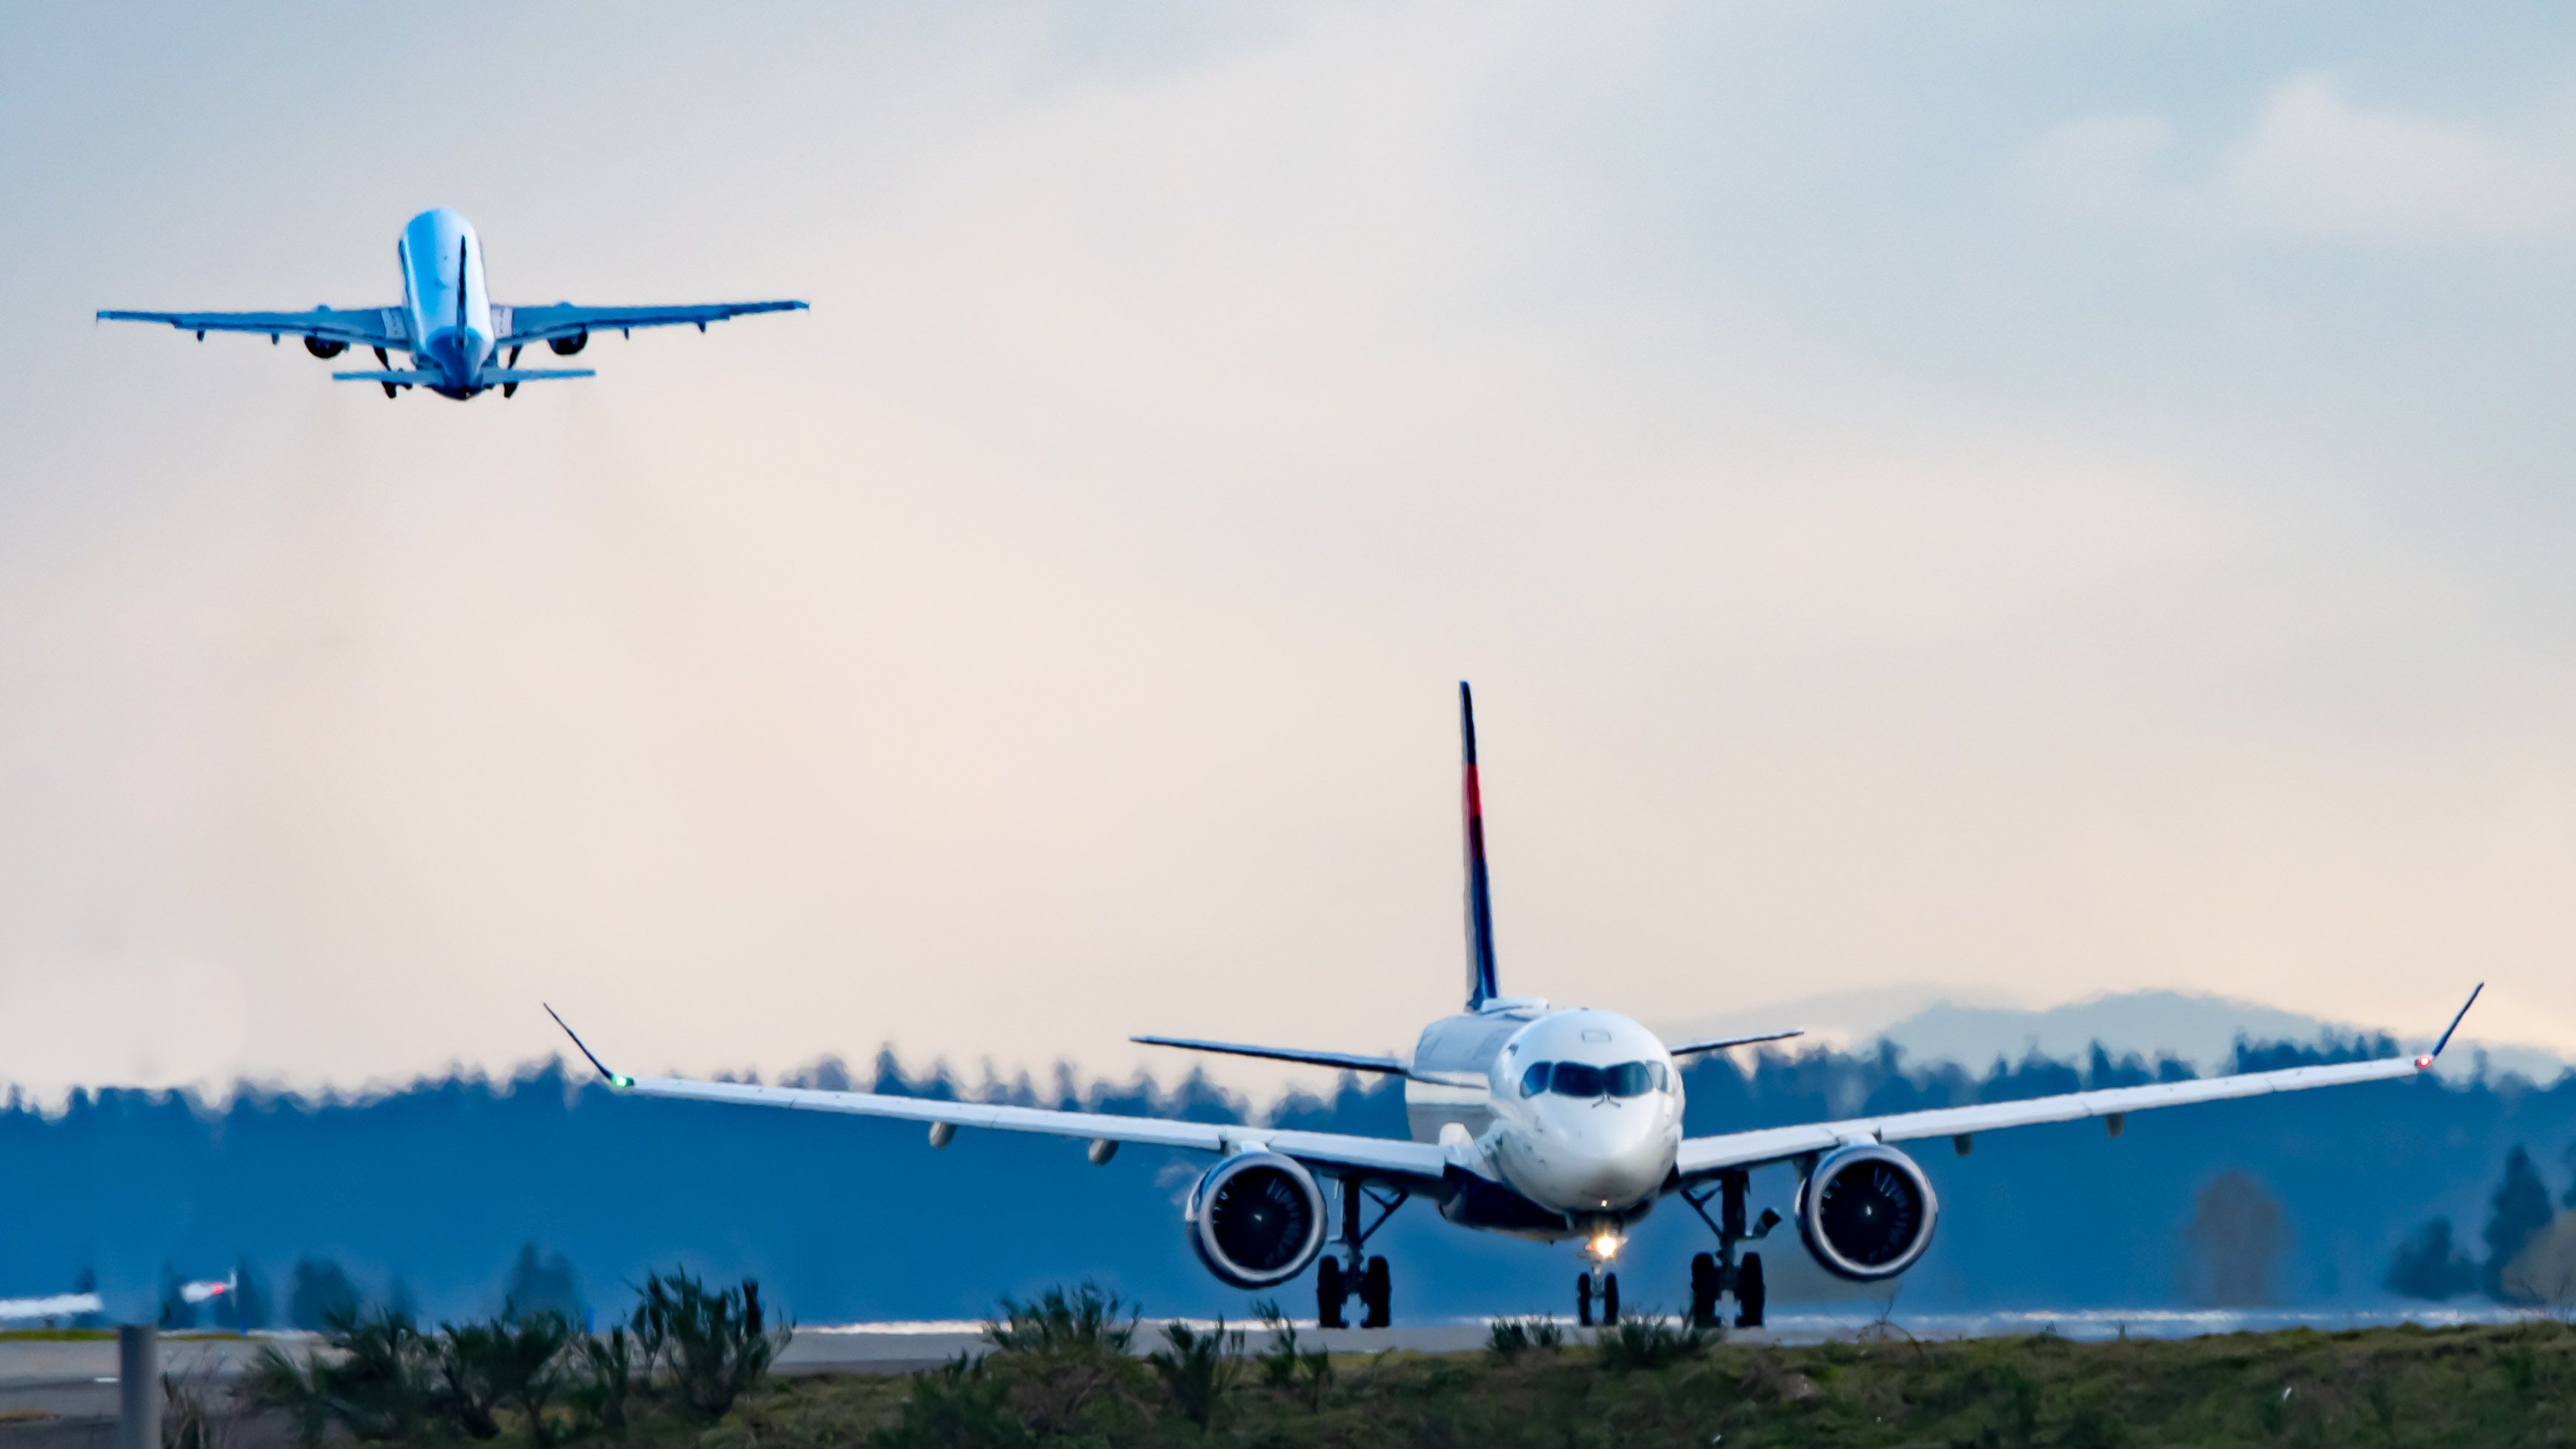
pixel 353 326
pixel 1345 1061
pixel 520 326
pixel 1418 1166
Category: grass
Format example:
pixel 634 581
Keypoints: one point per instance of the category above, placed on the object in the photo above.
pixel 2473 1386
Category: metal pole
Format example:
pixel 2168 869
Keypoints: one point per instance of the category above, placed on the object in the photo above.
pixel 138 1387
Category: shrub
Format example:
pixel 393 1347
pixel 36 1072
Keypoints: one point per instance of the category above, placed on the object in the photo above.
pixel 960 1403
pixel 1198 1367
pixel 716 1345
pixel 1649 1342
pixel 1283 1364
pixel 1083 1320
pixel 598 1381
pixel 1509 1338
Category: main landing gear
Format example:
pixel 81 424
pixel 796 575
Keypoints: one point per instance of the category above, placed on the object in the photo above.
pixel 1353 1274
pixel 1714 1275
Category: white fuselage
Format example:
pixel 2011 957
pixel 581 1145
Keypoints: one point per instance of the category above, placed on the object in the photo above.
pixel 445 301
pixel 1578 1111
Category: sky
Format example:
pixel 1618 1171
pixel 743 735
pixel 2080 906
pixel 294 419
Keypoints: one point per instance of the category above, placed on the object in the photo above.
pixel 2005 501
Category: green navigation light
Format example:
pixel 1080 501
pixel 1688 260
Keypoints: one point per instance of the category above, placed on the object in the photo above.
pixel 621 1080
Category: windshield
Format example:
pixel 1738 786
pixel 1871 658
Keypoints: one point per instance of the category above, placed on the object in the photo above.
pixel 1581 1079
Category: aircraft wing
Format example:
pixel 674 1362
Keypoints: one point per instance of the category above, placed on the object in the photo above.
pixel 1702 1156
pixel 1413 1164
pixel 520 326
pixel 363 326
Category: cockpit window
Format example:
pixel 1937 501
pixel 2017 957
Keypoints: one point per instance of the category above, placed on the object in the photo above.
pixel 1581 1079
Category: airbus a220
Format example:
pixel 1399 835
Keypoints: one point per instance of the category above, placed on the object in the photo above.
pixel 1547 1123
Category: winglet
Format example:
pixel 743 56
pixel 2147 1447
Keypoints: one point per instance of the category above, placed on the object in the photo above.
pixel 2425 1062
pixel 614 1079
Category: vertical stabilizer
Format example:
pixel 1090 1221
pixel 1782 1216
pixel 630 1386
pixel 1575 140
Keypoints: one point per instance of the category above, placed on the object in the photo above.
pixel 1481 987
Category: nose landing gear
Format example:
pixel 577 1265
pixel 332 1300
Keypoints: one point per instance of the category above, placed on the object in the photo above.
pixel 1713 1276
pixel 1604 1290
pixel 1355 1275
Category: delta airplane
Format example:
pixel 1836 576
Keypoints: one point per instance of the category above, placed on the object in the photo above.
pixel 1544 1122
pixel 459 342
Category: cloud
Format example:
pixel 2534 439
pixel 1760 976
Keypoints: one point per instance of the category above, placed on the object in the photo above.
pixel 2318 167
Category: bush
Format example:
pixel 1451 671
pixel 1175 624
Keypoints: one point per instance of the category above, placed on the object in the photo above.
pixel 1509 1338
pixel 1084 1320
pixel 1198 1367
pixel 1649 1342
pixel 716 1345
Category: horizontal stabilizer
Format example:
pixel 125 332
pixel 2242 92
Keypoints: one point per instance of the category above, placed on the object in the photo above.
pixel 1721 1043
pixel 399 377
pixel 1346 1061
pixel 491 375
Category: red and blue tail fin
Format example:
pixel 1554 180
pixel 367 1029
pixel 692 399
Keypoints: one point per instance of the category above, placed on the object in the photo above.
pixel 1481 986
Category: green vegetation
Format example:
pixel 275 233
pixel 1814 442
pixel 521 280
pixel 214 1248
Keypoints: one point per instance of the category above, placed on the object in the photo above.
pixel 684 1359
pixel 1659 1385
pixel 1070 1366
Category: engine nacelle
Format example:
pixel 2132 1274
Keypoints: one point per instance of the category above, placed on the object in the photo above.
pixel 1256 1219
pixel 1866 1212
pixel 324 347
pixel 567 346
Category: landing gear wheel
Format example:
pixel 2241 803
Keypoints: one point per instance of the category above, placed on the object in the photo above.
pixel 1703 1290
pixel 1748 1292
pixel 1609 1299
pixel 1329 1293
pixel 389 389
pixel 1377 1295
pixel 1583 1300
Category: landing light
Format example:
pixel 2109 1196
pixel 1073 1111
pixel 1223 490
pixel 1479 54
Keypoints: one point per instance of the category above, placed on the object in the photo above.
pixel 1606 1246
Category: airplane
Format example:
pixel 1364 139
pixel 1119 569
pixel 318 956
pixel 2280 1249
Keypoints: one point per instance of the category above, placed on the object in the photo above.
pixel 1548 1123
pixel 76 1305
pixel 460 342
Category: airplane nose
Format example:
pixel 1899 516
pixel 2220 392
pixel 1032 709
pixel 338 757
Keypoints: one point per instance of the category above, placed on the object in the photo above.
pixel 1615 1157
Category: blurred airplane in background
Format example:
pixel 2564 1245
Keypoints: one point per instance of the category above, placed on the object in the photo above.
pixel 459 342
pixel 79 1305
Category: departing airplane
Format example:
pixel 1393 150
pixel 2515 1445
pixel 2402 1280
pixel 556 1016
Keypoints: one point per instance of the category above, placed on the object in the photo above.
pixel 1546 1123
pixel 447 322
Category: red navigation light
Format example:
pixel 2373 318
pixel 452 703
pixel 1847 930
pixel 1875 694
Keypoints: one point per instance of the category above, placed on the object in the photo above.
pixel 2424 1063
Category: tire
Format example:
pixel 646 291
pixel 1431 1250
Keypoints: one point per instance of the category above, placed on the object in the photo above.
pixel 1703 1290
pixel 1328 1293
pixel 1748 1292
pixel 1609 1299
pixel 1377 1295
pixel 1583 1301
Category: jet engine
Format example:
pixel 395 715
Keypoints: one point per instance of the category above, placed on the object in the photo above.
pixel 1865 1212
pixel 324 347
pixel 1256 1219
pixel 567 346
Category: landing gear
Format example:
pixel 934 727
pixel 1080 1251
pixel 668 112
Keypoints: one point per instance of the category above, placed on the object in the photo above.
pixel 1354 1274
pixel 1604 1291
pixel 389 389
pixel 1713 1276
